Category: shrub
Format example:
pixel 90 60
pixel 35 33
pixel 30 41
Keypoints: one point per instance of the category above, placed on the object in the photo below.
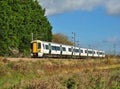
pixel 71 83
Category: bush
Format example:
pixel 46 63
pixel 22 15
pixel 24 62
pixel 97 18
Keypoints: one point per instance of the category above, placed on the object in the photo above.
pixel 71 83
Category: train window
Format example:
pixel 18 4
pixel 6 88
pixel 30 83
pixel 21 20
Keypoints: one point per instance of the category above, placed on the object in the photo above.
pixel 63 48
pixel 39 45
pixel 46 46
pixel 90 52
pixel 85 51
pixel 101 53
pixel 69 49
pixel 58 48
pixel 97 52
pixel 53 48
pixel 76 50
pixel 81 51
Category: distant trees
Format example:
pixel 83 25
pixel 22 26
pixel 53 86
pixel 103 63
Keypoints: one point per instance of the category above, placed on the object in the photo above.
pixel 18 19
pixel 61 38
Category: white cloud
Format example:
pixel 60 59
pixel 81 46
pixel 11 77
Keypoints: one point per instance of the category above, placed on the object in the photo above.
pixel 113 7
pixel 60 6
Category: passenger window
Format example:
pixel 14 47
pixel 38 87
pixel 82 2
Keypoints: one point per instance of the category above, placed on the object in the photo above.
pixel 53 48
pixel 46 46
pixel 69 49
pixel 81 51
pixel 58 48
pixel 76 50
pixel 90 52
pixel 101 53
pixel 39 45
pixel 63 48
pixel 85 51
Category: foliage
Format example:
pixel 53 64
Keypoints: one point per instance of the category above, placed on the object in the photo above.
pixel 18 19
pixel 61 38
pixel 72 83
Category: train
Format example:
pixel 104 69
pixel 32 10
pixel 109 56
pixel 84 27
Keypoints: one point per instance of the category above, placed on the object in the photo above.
pixel 40 49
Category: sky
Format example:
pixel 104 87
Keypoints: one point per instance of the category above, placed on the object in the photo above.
pixel 96 23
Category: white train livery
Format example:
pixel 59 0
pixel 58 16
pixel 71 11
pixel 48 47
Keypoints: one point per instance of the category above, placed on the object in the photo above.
pixel 49 49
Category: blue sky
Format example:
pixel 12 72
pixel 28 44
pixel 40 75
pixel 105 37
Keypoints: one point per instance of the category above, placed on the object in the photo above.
pixel 95 22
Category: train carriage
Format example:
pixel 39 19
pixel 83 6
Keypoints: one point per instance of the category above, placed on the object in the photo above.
pixel 49 49
pixel 83 52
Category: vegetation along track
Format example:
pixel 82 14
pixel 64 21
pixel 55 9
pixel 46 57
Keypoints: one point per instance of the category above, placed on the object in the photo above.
pixel 103 64
pixel 27 73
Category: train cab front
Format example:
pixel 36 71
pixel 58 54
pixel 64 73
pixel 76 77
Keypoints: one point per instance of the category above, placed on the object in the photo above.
pixel 36 49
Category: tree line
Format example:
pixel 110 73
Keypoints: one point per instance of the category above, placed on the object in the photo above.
pixel 18 19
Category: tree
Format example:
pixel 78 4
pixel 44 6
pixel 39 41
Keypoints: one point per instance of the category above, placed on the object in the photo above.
pixel 18 19
pixel 60 38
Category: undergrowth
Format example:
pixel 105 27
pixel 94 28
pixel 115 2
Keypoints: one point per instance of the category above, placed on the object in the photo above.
pixel 58 74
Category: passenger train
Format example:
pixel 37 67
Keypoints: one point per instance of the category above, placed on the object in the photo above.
pixel 49 49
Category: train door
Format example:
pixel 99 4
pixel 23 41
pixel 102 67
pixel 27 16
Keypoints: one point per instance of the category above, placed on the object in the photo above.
pixel 34 47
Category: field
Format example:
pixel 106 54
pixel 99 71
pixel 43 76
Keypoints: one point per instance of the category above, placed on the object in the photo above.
pixel 27 73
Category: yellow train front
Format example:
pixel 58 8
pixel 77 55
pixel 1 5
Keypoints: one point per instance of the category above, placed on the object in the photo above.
pixel 36 49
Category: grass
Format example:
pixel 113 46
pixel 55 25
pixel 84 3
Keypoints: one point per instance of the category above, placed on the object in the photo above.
pixel 60 74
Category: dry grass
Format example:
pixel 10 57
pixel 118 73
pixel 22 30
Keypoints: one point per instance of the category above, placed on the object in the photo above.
pixel 59 74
